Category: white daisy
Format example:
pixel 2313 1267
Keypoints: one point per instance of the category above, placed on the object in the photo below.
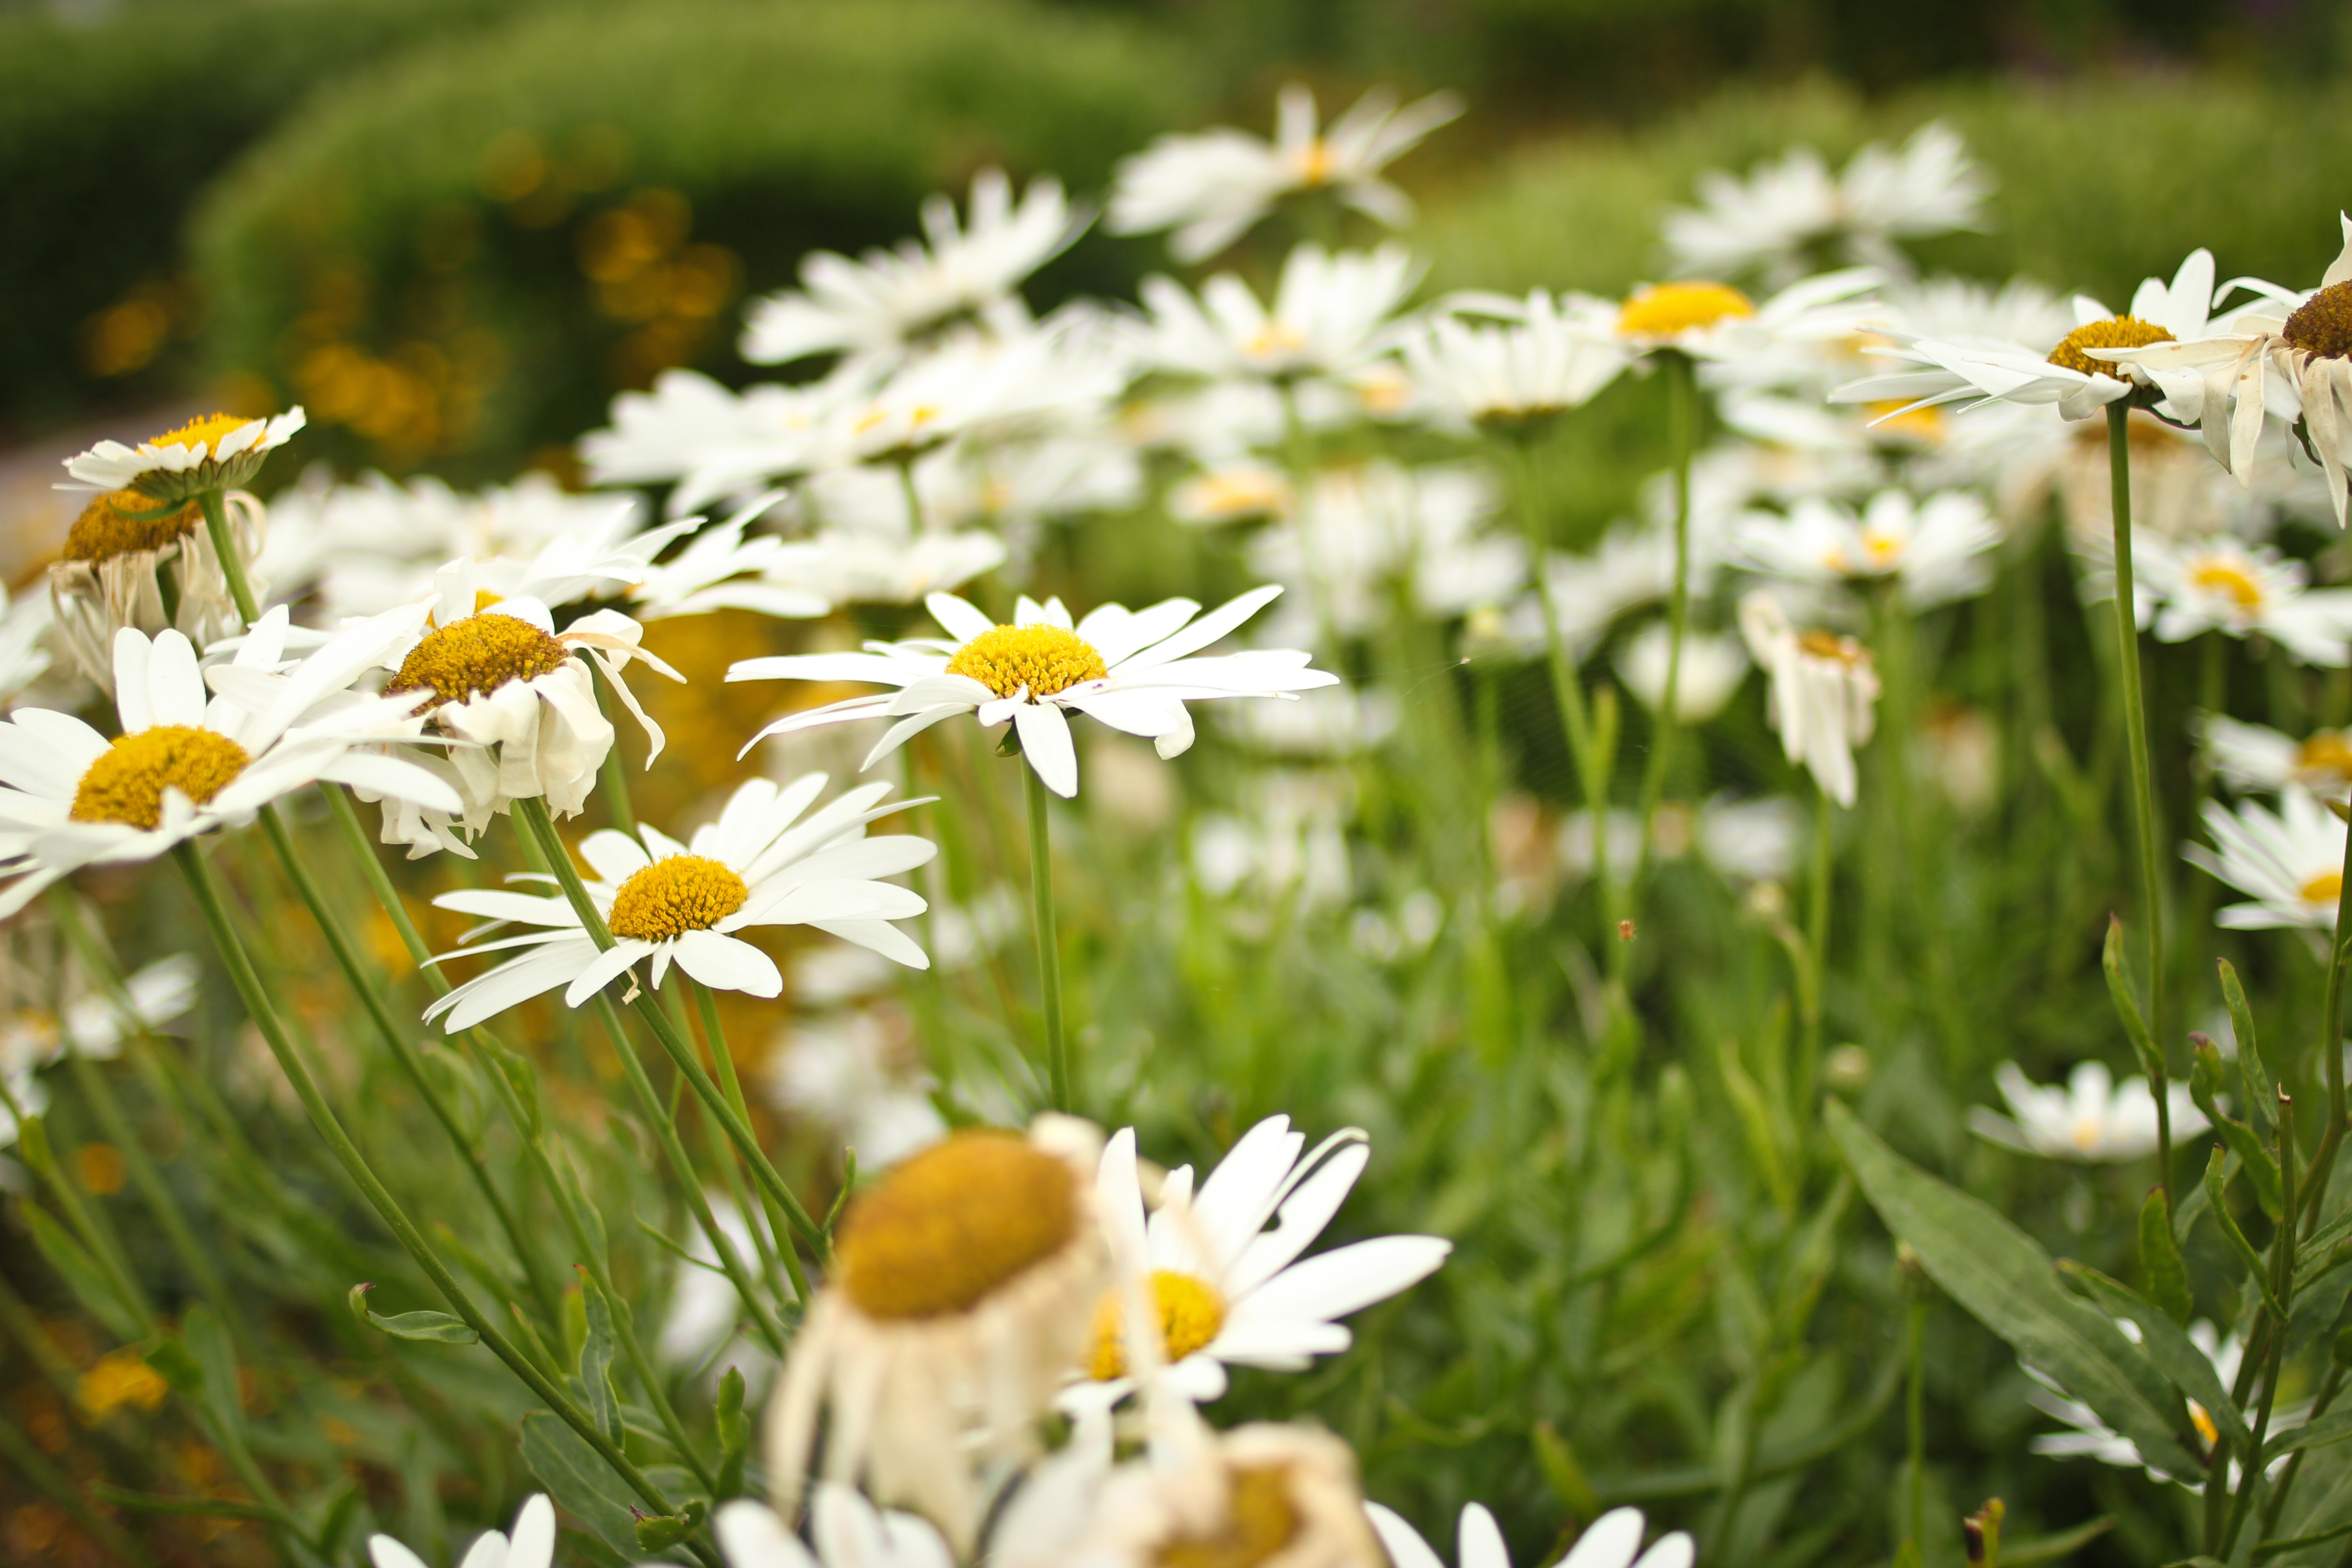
pixel 666 434
pixel 1824 692
pixel 1612 1540
pixel 1785 213
pixel 873 305
pixel 1365 529
pixel 184 765
pixel 89 1024
pixel 1331 313
pixel 2252 757
pixel 722 568
pixel 2220 584
pixel 2090 1437
pixel 1508 374
pixel 1221 1270
pixel 532 1544
pixel 1712 669
pixel 1749 840
pixel 1212 185
pixel 24 622
pixel 662 900
pixel 845 1070
pixel 1241 490
pixel 845 566
pixel 2290 860
pixel 2092 1119
pixel 846 1531
pixel 1128 669
pixel 208 454
pixel 131 561
pixel 1935 549
pixel 1714 322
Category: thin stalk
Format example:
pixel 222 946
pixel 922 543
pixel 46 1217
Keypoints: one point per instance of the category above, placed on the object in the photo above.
pixel 240 592
pixel 379 881
pixel 1682 386
pixel 2282 1290
pixel 212 906
pixel 1049 952
pixel 2331 1045
pixel 1915 1415
pixel 614 772
pixel 1817 938
pixel 2135 726
pixel 714 1036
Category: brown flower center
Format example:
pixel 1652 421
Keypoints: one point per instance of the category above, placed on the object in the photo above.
pixel 1045 660
pixel 126 782
pixel 1261 1521
pixel 125 522
pixel 674 896
pixel 954 1225
pixel 2322 325
pixel 2115 333
pixel 475 655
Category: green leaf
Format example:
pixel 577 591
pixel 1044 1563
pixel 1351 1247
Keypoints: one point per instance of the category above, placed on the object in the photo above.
pixel 580 1481
pixel 2216 1199
pixel 2004 1280
pixel 2050 1548
pixel 2204 1088
pixel 2260 1090
pixel 659 1531
pixel 1756 1121
pixel 2175 1355
pixel 1560 1472
pixel 2332 1427
pixel 80 1271
pixel 734 1435
pixel 2119 991
pixel 208 1341
pixel 2161 1260
pixel 597 1350
pixel 438 1328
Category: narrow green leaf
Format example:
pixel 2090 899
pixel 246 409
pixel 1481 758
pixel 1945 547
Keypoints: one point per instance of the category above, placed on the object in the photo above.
pixel 580 1481
pixel 2050 1548
pixel 2216 1178
pixel 208 1342
pixel 2120 992
pixel 734 1435
pixel 170 1360
pixel 1566 1477
pixel 80 1271
pixel 151 1502
pixel 2204 1088
pixel 439 1327
pixel 597 1351
pixel 2004 1280
pixel 2269 1548
pixel 2332 1427
pixel 2175 1355
pixel 1756 1121
pixel 2260 1091
pixel 2161 1260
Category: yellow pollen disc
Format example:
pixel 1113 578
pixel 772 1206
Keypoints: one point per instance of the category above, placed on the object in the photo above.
pixel 210 429
pixel 1829 644
pixel 2322 325
pixel 1277 337
pixel 1315 163
pixel 2116 332
pixel 2205 1429
pixel 2220 577
pixel 1045 660
pixel 2086 1132
pixel 672 897
pixel 126 784
pixel 953 1226
pixel 126 523
pixel 477 654
pixel 1664 310
pixel 2323 889
pixel 2330 751
pixel 1191 1313
pixel 483 599
pixel 1261 1521
pixel 1882 548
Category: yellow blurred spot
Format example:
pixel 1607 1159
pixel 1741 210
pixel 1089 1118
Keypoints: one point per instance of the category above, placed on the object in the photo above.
pixel 101 1168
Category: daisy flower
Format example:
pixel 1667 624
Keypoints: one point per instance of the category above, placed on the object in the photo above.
pixel 1824 692
pixel 184 765
pixel 2090 1438
pixel 1242 490
pixel 2252 757
pixel 89 1024
pixel 2220 584
pixel 846 1531
pixel 848 566
pixel 1935 550
pixel 1222 1267
pixel 2290 860
pixel 1509 374
pixel 663 435
pixel 2078 374
pixel 25 622
pixel 1781 213
pixel 1131 670
pixel 758 864
pixel 208 454
pixel 532 1544
pixel 130 561
pixel 964 1281
pixel 1712 669
pixel 1366 528
pixel 1711 320
pixel 1331 313
pixel 2092 1119
pixel 872 306
pixel 1612 1540
pixel 1211 186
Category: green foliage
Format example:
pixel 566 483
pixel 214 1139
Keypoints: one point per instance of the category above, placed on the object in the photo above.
pixel 460 258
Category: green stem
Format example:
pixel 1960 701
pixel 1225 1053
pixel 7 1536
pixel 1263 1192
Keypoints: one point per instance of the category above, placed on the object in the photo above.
pixel 2136 732
pixel 2331 1045
pixel 1049 953
pixel 1817 938
pixel 1682 386
pixel 240 592
pixel 2282 1262
pixel 714 1036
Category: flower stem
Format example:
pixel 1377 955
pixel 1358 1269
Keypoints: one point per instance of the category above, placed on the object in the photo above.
pixel 1682 386
pixel 2281 1289
pixel 240 591
pixel 2135 720
pixel 714 1035
pixel 1817 938
pixel 1049 948
pixel 2331 1047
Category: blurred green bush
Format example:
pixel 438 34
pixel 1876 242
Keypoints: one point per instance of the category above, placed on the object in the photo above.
pixel 110 126
pixel 457 260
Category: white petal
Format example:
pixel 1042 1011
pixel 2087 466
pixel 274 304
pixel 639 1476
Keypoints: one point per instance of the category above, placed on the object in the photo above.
pixel 1045 742
pixel 1334 1284
pixel 726 964
pixel 1406 1548
pixel 1611 1541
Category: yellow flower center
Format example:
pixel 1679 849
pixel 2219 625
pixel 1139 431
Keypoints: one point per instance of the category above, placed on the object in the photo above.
pixel 672 897
pixel 210 429
pixel 2115 333
pixel 1316 164
pixel 126 782
pixel 1045 660
pixel 2322 325
pixel 477 654
pixel 1191 1313
pixel 1666 310
pixel 2323 889
pixel 1243 493
pixel 2329 752
pixel 1829 644
pixel 2086 1132
pixel 1882 548
pixel 126 523
pixel 2228 580
pixel 1925 425
pixel 954 1225
pixel 1260 1521
pixel 1277 337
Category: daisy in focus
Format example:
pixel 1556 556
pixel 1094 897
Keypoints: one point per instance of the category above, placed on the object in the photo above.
pixel 1331 313
pixel 1220 1267
pixel 532 1544
pixel 2092 1119
pixel 2220 584
pixel 1132 670
pixel 1824 692
pixel 758 864
pixel 184 764
pixel 2258 759
pixel 845 1532
pixel 1213 185
pixel 208 454
pixel 2290 861
pixel 1935 550
pixel 1612 1540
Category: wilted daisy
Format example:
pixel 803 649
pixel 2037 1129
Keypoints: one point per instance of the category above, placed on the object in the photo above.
pixel 2255 757
pixel 1212 185
pixel 2291 860
pixel 184 765
pixel 1824 692
pixel 26 619
pixel 1130 670
pixel 1612 1540
pixel 963 1282
pixel 1934 549
pixel 1712 668
pixel 2223 584
pixel 1509 374
pixel 209 454
pixel 1220 1267
pixel 532 1545
pixel 2092 1119
pixel 131 561
pixel 845 1530
pixel 1332 312
pixel 873 305
pixel 758 864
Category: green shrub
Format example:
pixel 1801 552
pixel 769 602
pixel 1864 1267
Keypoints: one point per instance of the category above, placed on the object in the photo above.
pixel 460 258
pixel 110 128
